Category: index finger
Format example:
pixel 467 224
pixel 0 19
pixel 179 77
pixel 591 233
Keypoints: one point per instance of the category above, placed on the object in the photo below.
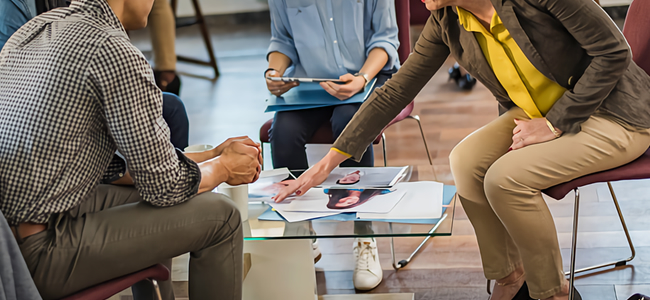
pixel 290 187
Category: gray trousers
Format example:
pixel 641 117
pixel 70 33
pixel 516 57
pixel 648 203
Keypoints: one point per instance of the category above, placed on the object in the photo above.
pixel 15 281
pixel 114 233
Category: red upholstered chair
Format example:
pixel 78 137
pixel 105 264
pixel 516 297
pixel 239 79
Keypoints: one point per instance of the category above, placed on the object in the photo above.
pixel 109 288
pixel 324 134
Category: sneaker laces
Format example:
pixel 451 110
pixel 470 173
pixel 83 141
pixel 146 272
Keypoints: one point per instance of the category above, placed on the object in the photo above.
pixel 365 251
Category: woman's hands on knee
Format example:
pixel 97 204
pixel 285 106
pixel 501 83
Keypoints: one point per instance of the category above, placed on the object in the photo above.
pixel 529 132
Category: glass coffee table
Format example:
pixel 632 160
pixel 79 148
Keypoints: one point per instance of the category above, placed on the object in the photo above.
pixel 282 264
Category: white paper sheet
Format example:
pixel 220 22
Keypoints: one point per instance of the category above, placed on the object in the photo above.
pixel 371 177
pixel 377 204
pixel 293 216
pixel 423 200
pixel 264 188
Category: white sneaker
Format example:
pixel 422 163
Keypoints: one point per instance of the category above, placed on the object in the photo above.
pixel 316 251
pixel 367 273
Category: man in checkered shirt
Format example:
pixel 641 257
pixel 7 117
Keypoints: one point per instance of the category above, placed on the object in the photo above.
pixel 73 91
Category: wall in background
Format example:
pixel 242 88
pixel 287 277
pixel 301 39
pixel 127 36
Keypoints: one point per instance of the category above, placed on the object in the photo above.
pixel 615 2
pixel 220 7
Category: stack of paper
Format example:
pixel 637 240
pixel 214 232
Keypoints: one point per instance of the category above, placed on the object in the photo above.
pixel 367 193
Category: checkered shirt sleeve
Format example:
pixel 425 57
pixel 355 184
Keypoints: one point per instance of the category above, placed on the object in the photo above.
pixel 122 77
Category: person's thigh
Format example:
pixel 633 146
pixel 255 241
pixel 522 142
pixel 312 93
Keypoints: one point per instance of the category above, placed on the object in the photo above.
pixel 341 116
pixel 290 131
pixel 601 144
pixel 106 244
pixel 176 117
pixel 471 158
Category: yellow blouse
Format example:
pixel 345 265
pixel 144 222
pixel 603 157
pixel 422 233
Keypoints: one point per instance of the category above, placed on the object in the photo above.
pixel 527 87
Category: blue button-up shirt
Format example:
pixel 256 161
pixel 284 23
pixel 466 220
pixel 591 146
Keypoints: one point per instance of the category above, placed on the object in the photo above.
pixel 14 14
pixel 329 38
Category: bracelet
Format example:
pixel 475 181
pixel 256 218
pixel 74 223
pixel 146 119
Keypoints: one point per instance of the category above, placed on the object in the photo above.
pixel 364 75
pixel 552 128
pixel 269 69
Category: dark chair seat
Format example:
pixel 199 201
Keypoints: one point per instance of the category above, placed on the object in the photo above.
pixel 637 169
pixel 109 288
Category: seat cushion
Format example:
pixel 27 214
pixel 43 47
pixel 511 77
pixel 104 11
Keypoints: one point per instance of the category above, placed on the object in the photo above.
pixel 637 169
pixel 109 288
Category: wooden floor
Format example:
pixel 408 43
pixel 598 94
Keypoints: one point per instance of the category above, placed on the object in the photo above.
pixel 447 267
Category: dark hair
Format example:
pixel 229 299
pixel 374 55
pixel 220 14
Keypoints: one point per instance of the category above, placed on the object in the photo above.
pixel 337 194
pixel 338 181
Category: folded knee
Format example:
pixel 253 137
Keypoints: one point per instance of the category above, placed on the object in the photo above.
pixel 505 183
pixel 217 206
pixel 466 169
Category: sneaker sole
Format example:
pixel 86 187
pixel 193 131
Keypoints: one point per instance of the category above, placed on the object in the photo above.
pixel 317 258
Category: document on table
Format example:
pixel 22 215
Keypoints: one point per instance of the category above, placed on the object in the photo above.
pixel 315 194
pixel 423 200
pixel 365 177
pixel 268 184
pixel 368 200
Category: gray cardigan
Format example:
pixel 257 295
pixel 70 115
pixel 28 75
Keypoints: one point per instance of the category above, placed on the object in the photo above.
pixel 15 280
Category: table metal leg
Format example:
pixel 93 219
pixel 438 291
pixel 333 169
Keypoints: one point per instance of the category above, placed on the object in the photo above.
pixel 404 262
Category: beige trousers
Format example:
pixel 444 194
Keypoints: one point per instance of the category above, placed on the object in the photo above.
pixel 500 190
pixel 162 26
pixel 114 233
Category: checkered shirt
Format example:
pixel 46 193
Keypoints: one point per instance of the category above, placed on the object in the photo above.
pixel 73 91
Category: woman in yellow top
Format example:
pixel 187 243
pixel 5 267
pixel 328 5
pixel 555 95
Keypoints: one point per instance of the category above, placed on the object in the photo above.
pixel 572 101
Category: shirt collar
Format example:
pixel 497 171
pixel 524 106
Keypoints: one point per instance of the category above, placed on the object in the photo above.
pixel 471 23
pixel 99 9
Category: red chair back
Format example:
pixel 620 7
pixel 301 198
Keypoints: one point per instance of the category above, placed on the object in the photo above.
pixel 637 33
pixel 403 20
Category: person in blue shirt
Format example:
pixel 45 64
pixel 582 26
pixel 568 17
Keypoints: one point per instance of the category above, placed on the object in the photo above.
pixel 15 13
pixel 352 40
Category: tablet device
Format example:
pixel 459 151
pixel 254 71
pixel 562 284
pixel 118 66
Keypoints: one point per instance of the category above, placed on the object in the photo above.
pixel 292 79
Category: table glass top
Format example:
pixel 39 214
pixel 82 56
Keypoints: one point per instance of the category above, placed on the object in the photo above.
pixel 344 227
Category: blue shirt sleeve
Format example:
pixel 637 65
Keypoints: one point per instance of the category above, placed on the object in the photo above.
pixel 15 13
pixel 281 38
pixel 383 32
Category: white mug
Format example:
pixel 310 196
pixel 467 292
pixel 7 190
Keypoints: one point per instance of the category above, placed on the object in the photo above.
pixel 239 195
pixel 198 148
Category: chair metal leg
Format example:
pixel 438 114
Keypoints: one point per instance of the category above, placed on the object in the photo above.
pixel 627 235
pixel 383 146
pixel 404 262
pixel 426 147
pixel 574 238
pixel 156 288
pixel 262 146
pixel 574 243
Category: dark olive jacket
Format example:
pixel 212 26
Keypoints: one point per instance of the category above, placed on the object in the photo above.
pixel 572 42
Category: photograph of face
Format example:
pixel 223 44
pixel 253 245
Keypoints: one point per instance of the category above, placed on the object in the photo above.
pixel 342 199
pixel 350 178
